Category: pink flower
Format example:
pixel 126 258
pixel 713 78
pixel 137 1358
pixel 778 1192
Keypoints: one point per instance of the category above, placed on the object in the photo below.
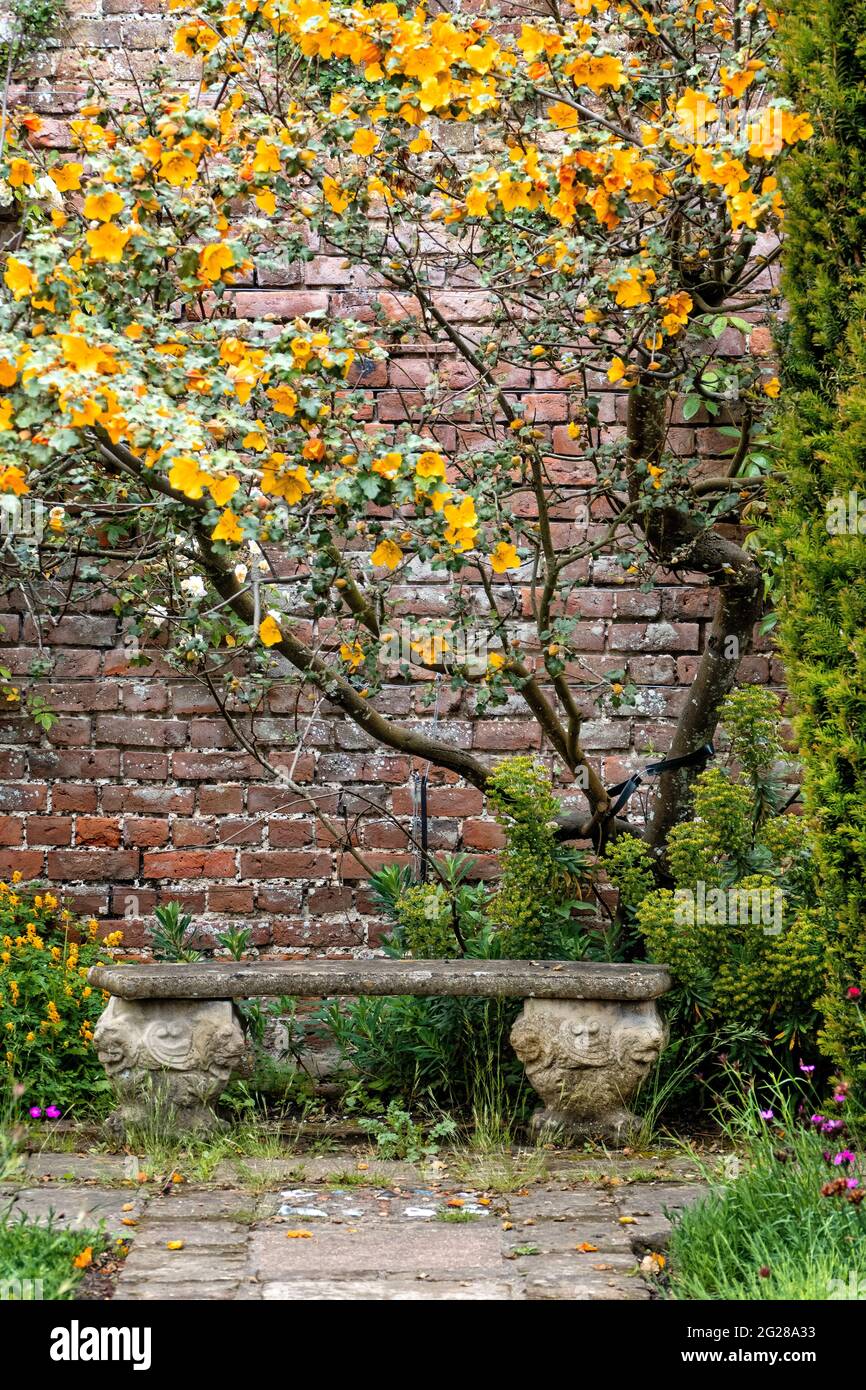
pixel 854 992
pixel 35 1112
pixel 766 1114
pixel 840 1097
pixel 843 1158
pixel 51 1112
pixel 806 1070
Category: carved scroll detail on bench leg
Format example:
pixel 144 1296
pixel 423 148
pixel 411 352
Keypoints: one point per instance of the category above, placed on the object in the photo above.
pixel 586 1059
pixel 168 1056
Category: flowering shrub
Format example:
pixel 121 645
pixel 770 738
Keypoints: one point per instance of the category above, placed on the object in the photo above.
pixel 48 1011
pixel 785 1219
pixel 613 216
pixel 742 928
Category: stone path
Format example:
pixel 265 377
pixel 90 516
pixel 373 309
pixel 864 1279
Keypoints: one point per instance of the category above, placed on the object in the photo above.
pixel 340 1229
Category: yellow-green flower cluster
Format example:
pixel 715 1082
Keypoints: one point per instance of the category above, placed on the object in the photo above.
pixel 48 1011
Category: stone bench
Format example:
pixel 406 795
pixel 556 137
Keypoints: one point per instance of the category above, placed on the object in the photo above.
pixel 588 1033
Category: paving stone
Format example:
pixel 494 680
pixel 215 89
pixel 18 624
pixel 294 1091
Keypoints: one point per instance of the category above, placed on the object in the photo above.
pixel 650 1227
pixel 563 1277
pixel 150 1288
pixel 95 1167
pixel 205 1237
pixel 558 1205
pixel 386 1290
pixel 387 1247
pixel 553 1237
pixel 381 1240
pixel 79 1207
pixel 183 1203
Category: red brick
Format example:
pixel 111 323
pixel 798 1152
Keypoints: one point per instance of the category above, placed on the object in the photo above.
pixel 144 698
pixel 23 798
pixel 189 864
pixel 49 830
pixel 150 767
pixel 273 899
pixel 373 767
pixel 12 831
pixel 26 862
pixel 240 831
pixel 285 863
pixel 150 800
pixel 351 869
pixel 207 767
pixel 290 834
pixel 283 304
pixel 96 830
pixel 72 864
pixel 191 834
pixel 220 800
pixel 323 902
pixel 142 733
pixel 441 801
pixel 482 834
pixel 234 898
pixel 70 796
pixel 147 831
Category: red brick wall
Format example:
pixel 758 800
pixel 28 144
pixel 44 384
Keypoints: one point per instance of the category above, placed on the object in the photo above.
pixel 139 794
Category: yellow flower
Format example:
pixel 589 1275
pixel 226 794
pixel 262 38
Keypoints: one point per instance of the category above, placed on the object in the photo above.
pixel 283 399
pixel 632 289
pixel 20 278
pixel 387 553
pixel 352 654
pixel 101 207
pixel 388 466
pixel 334 196
pixel 269 632
pixel 430 465
pixel 213 260
pixel 364 141
pixel 562 116
pixel 107 243
pixel 462 522
pixel 20 172
pixel 67 177
pixel 186 476
pixel 504 557
pixel 222 490
pixel 267 158
pixel 228 528
pixel 177 168
pixel 772 387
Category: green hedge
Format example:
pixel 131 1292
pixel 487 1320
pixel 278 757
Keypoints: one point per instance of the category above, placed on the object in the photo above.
pixel 823 457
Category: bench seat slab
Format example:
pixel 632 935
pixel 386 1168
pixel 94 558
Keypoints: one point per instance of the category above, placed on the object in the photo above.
pixel 516 979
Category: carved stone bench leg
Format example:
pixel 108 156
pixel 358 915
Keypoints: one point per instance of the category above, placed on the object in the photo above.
pixel 169 1058
pixel 586 1059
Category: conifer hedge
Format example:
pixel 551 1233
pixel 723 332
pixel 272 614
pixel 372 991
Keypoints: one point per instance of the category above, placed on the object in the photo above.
pixel 821 484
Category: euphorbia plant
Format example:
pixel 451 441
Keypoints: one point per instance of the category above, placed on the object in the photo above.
pixel 616 206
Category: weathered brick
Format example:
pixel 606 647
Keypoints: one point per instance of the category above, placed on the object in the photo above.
pixel 142 733
pixel 104 864
pixel 97 831
pixel 233 898
pixel 12 831
pixel 26 862
pixel 218 863
pixel 49 830
pixel 147 831
pixel 285 863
